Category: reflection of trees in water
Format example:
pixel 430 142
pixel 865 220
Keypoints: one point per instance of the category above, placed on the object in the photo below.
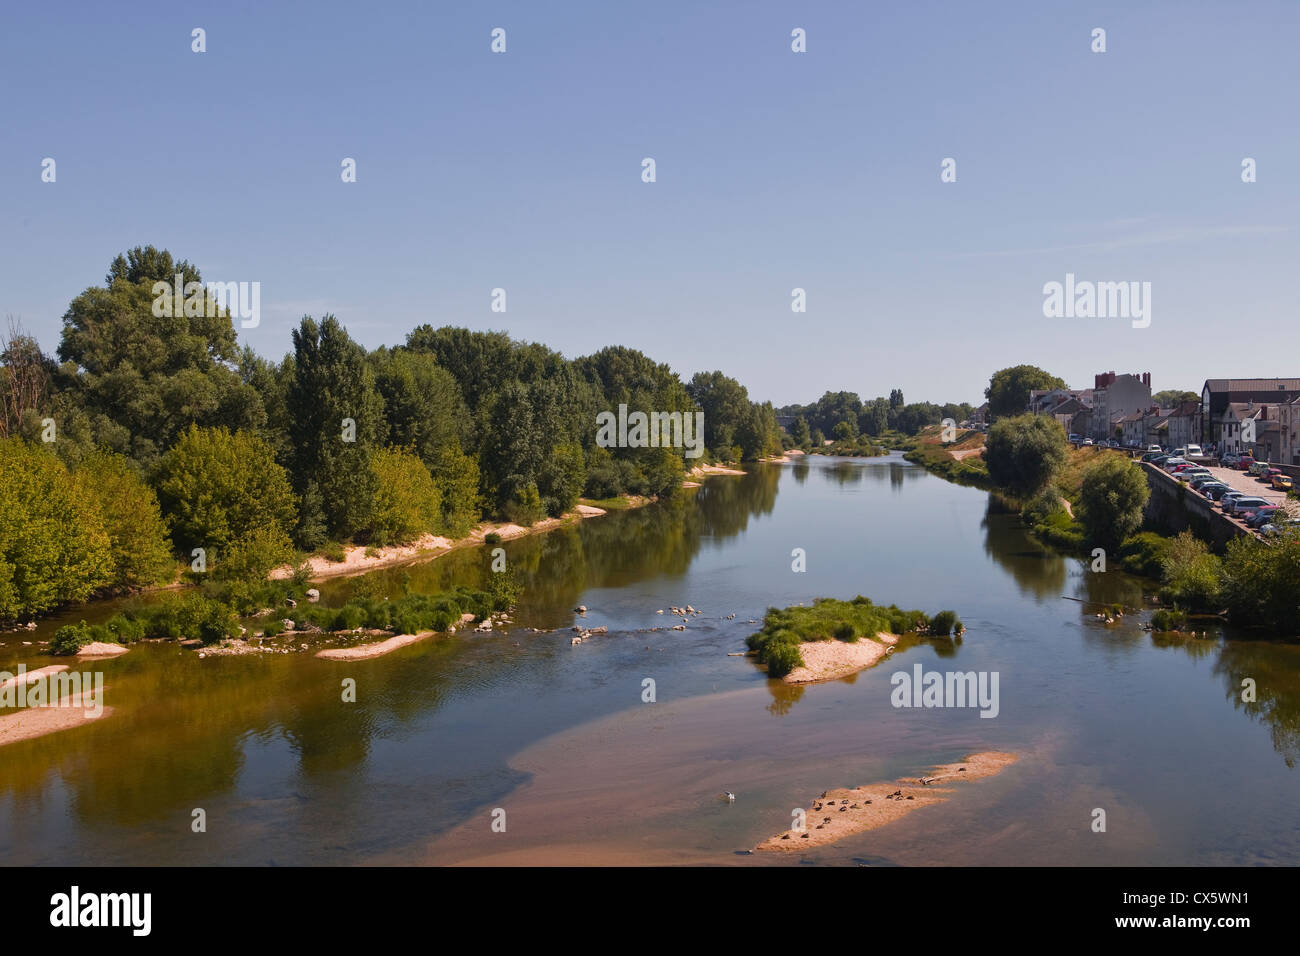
pixel 800 469
pixel 784 697
pixel 1275 668
pixel 1037 571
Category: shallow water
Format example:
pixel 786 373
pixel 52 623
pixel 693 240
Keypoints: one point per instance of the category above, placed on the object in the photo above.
pixel 443 732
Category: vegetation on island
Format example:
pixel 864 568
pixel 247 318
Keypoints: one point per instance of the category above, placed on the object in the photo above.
pixel 785 629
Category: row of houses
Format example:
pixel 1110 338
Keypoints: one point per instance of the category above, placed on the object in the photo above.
pixel 1234 415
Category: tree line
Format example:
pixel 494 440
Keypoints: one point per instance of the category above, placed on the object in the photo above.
pixel 145 438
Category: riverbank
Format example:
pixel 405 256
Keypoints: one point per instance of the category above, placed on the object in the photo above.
pixel 359 559
pixel 831 660
pixel 843 812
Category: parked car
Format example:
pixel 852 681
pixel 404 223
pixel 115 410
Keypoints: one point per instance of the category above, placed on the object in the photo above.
pixel 1155 449
pixel 1268 474
pixel 1282 482
pixel 1229 461
pixel 1181 467
pixel 1197 482
pixel 1172 462
pixel 1218 493
pixel 1256 468
pixel 1229 496
pixel 1244 463
pixel 1193 451
pixel 1271 528
pixel 1238 507
pixel 1261 516
pixel 1087 441
pixel 1210 487
pixel 1193 472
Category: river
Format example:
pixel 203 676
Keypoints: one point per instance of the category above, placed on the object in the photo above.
pixel 559 740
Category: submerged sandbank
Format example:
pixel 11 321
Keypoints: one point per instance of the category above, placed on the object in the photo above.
pixel 367 651
pixel 843 812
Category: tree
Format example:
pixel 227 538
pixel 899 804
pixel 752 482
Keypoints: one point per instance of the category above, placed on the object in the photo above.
pixel 53 546
pixel 874 419
pixel 423 408
pixel 138 544
pixel 1261 581
pixel 25 375
pixel 407 502
pixel 1024 453
pixel 151 375
pixel 1009 388
pixel 1173 397
pixel 843 431
pixel 896 398
pixel 223 490
pixel 457 477
pixel 336 422
pixel 800 433
pixel 1112 500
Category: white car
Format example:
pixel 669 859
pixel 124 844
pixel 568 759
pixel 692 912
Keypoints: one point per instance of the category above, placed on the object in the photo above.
pixel 1154 449
pixel 1193 450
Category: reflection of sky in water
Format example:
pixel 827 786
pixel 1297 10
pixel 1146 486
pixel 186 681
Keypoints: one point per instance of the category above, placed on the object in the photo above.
pixel 1152 731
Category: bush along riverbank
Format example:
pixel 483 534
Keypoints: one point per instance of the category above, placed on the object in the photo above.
pixel 960 460
pixel 833 638
pixel 285 609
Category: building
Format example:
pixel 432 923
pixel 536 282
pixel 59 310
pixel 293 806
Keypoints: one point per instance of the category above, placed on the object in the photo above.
pixel 1115 396
pixel 1218 393
pixel 1288 416
pixel 1131 428
pixel 1240 419
pixel 1184 425
pixel 1155 426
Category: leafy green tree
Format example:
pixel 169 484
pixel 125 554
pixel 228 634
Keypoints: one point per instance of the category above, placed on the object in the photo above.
pixel 218 488
pixel 152 376
pixel 1192 576
pixel 800 433
pixel 1009 388
pixel 1261 581
pixel 423 407
pixel 1173 397
pixel 336 422
pixel 562 478
pixel 457 476
pixel 53 546
pixel 1024 453
pixel 138 542
pixel 1112 499
pixel 874 419
pixel 896 398
pixel 843 431
pixel 407 502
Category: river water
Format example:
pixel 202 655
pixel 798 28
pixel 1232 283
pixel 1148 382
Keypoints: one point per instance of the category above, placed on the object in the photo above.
pixel 448 736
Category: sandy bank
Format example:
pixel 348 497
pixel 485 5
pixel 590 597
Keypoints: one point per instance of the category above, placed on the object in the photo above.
pixel 367 651
pixel 32 676
pixel 831 660
pixel 837 814
pixel 357 561
pixel 31 722
pixel 101 649
pixel 703 471
pixel 962 453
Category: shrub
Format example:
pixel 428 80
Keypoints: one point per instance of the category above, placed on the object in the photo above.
pixel 1144 553
pixel 1024 453
pixel 1167 620
pixel 945 622
pixel 125 630
pixel 70 638
pixel 1192 575
pixel 335 553
pixel 349 618
pixel 272 628
pixel 781 658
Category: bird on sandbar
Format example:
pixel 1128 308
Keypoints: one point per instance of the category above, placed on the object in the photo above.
pixel 731 797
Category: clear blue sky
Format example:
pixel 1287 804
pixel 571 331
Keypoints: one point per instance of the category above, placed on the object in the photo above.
pixel 775 170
